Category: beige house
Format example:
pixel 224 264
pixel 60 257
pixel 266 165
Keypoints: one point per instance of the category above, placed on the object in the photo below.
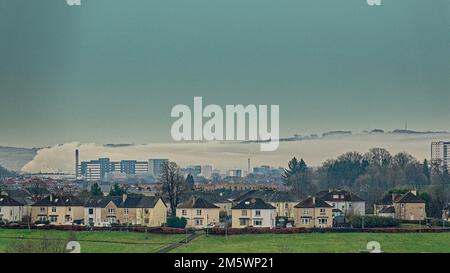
pixel 282 201
pixel 11 210
pixel 410 207
pixel 214 198
pixel 253 212
pixel 100 210
pixel 313 212
pixel 148 211
pixel 58 210
pixel 406 206
pixel 199 213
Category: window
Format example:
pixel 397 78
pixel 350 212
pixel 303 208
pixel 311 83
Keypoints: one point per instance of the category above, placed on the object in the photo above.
pixel 244 212
pixel 91 211
pixel 322 212
pixel 305 211
pixel 350 204
pixel 306 221
pixel 286 206
pixel 243 222
pixel 258 213
pixel 53 218
pixel 146 221
pixel 198 222
pixel 323 221
pixel 70 209
pixel 257 222
pixel 41 209
pixel 125 211
pixel 146 211
pixel 53 209
pixel 111 211
pixel 335 196
pixel 183 212
pixel 199 212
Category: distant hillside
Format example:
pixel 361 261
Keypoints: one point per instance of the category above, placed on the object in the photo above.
pixel 15 158
pixel 5 172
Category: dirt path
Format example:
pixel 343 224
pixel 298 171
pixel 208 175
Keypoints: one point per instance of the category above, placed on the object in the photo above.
pixel 172 246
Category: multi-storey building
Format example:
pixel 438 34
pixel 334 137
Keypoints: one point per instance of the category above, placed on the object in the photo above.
pixel 155 166
pixel 96 170
pixel 440 154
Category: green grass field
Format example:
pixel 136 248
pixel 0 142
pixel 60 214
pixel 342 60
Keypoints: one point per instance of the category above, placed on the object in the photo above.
pixel 92 242
pixel 320 243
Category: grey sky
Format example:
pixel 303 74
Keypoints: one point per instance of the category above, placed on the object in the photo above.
pixel 110 70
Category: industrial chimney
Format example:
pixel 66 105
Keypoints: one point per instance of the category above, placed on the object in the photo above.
pixel 77 162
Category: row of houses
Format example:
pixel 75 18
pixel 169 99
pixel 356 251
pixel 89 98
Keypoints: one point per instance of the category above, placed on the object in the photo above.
pixel 261 208
pixel 97 211
pixel 257 208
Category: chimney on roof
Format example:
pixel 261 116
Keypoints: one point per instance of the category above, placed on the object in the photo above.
pixel 314 199
pixel 51 197
pixel 124 197
pixel 414 191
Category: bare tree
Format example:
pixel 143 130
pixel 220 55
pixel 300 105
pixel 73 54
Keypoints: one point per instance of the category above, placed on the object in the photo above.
pixel 173 185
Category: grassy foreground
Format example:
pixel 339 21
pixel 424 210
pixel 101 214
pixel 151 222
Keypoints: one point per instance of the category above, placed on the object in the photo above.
pixel 92 242
pixel 320 243
pixel 131 242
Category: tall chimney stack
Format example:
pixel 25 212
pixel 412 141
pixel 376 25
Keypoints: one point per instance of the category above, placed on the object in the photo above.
pixel 77 162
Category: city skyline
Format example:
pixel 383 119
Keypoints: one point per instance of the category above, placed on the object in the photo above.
pixel 72 75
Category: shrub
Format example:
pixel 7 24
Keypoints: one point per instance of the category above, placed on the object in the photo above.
pixel 176 222
pixel 373 222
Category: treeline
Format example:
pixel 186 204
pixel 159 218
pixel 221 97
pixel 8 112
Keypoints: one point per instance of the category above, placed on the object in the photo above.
pixel 372 175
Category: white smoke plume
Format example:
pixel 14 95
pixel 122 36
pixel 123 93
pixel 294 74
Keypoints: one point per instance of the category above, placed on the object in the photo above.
pixel 224 156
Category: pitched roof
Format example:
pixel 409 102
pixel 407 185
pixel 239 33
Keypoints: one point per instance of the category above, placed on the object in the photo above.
pixel 341 196
pixel 389 199
pixel 197 203
pixel 312 202
pixel 21 196
pixel 58 201
pixel 8 201
pixel 101 202
pixel 140 202
pixel 410 198
pixel 389 209
pixel 212 197
pixel 253 203
pixel 270 196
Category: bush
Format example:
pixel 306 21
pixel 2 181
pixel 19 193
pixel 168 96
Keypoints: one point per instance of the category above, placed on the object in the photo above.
pixel 176 222
pixel 42 222
pixel 373 222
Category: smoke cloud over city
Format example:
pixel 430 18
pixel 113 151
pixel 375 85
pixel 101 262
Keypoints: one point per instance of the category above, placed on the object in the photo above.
pixel 229 155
